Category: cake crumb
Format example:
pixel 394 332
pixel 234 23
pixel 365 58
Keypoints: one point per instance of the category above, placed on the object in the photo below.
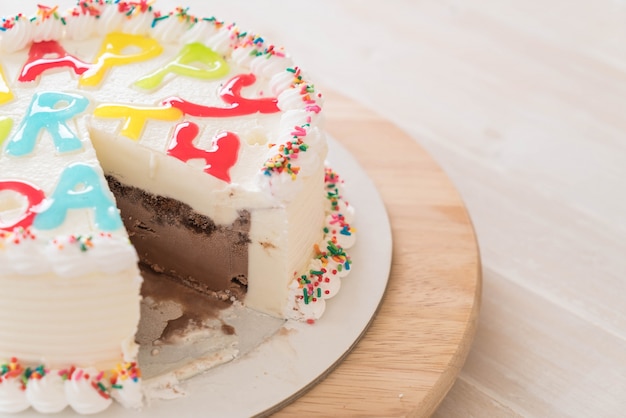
pixel 267 245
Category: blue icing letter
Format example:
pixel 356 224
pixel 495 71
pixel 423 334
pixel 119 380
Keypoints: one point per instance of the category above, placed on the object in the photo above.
pixel 80 187
pixel 48 110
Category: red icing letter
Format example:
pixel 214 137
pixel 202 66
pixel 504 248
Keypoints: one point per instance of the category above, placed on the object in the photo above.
pixel 34 196
pixel 39 60
pixel 218 160
pixel 231 94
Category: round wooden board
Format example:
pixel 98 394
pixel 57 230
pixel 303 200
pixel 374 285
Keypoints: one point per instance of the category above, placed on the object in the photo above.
pixel 412 353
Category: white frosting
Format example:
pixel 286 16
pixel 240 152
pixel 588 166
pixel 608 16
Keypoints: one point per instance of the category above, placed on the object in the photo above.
pixel 19 258
pixel 169 29
pixel 220 42
pixel 47 394
pixel 280 81
pixel 290 99
pixel 200 31
pixel 298 309
pixel 80 27
pixel 340 230
pixel 18 37
pixel 84 320
pixel 270 67
pixel 47 29
pixel 140 24
pixel 245 54
pixel 86 390
pixel 130 395
pixel 81 394
pixel 67 257
pixel 12 396
pixel 110 20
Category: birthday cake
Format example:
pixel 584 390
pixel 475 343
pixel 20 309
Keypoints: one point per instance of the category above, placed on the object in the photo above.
pixel 140 140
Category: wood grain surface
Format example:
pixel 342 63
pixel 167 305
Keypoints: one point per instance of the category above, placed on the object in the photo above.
pixel 417 343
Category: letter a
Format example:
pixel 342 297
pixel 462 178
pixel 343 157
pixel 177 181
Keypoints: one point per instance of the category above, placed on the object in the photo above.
pixel 40 60
pixel 44 114
pixel 80 187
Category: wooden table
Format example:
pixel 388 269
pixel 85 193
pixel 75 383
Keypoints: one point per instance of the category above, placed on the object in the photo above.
pixel 412 353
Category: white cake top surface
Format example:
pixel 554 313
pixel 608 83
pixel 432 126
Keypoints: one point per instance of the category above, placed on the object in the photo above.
pixel 173 103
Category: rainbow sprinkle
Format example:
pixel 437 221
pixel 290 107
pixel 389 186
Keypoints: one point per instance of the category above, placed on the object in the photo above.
pixel 282 162
pixel 309 284
pixel 83 242
pixel 86 8
pixel 16 236
pixel 125 371
pixel 11 369
pixel 45 12
pixel 332 181
pixel 307 91
pixel 102 382
pixel 10 22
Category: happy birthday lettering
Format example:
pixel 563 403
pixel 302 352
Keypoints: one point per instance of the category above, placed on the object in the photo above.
pixel 82 186
pixel 195 60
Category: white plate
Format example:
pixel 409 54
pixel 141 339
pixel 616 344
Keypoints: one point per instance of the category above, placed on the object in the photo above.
pixel 286 365
pixel 294 359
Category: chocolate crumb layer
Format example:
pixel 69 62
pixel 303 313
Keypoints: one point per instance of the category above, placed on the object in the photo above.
pixel 195 309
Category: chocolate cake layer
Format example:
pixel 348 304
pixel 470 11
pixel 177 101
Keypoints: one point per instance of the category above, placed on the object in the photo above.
pixel 172 239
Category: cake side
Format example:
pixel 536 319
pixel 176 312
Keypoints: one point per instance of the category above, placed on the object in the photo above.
pixel 282 245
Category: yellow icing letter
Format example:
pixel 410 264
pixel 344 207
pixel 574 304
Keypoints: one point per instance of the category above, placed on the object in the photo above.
pixel 120 49
pixel 210 65
pixel 5 91
pixel 135 117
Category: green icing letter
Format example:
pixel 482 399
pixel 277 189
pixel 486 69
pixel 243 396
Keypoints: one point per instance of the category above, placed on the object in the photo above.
pixel 194 60
pixel 5 128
